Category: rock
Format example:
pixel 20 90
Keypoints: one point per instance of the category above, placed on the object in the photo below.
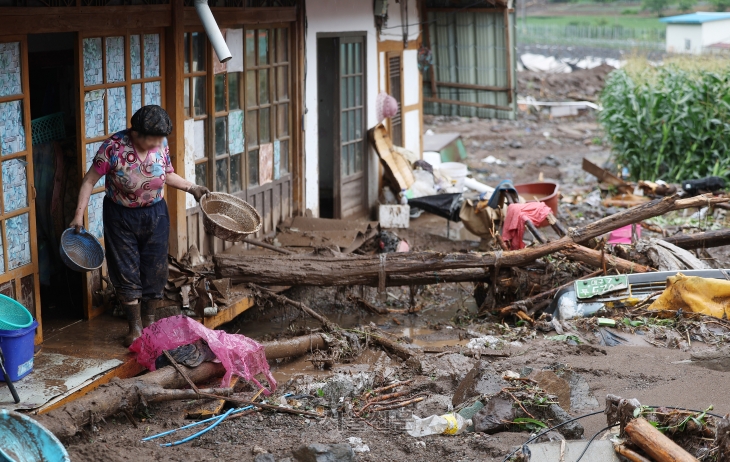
pixel 453 366
pixel 433 405
pixel 552 435
pixel 554 385
pixel 344 386
pixel 259 450
pixel 317 452
pixel 264 458
pixel 358 445
pixel 556 414
pixel 492 417
pixel 482 379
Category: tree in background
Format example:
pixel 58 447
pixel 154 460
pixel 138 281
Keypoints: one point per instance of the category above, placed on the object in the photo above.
pixel 720 5
pixel 686 5
pixel 657 6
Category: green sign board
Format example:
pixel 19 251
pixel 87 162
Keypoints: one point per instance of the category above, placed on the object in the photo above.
pixel 594 287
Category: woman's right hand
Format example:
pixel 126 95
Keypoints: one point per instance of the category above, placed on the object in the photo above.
pixel 77 224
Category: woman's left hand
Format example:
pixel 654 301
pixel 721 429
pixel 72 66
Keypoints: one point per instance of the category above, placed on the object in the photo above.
pixel 198 191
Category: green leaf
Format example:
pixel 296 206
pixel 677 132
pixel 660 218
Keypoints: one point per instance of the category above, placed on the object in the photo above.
pixel 522 420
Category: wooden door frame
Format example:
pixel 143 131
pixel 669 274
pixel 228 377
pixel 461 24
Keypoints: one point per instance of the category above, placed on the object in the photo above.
pixel 337 141
pixel 16 275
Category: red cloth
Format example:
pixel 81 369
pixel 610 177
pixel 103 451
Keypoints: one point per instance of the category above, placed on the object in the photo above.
pixel 514 222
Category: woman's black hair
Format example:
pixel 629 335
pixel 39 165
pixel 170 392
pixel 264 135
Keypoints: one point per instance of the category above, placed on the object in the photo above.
pixel 152 120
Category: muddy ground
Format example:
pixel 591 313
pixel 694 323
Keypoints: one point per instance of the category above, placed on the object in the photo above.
pixel 531 147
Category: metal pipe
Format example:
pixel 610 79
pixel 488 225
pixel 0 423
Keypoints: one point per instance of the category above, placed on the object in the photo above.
pixel 213 31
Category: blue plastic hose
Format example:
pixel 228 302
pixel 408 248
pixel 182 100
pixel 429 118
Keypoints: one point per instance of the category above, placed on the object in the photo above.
pixel 201 432
pixel 194 424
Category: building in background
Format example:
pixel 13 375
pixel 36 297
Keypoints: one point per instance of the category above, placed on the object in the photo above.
pixel 697 33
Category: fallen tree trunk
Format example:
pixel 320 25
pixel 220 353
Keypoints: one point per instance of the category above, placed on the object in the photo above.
pixel 700 240
pixel 120 395
pixel 363 270
pixel 597 259
pixel 653 442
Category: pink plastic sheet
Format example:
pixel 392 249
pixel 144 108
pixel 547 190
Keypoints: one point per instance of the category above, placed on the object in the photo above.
pixel 239 354
pixel 623 235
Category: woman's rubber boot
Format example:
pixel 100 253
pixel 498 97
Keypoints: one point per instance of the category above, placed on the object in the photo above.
pixel 135 323
pixel 148 312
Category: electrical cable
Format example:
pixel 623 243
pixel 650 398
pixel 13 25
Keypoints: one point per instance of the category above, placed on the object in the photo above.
pixel 596 413
pixel 591 440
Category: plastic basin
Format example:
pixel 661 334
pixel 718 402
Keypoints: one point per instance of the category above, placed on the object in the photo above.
pixel 22 439
pixel 546 192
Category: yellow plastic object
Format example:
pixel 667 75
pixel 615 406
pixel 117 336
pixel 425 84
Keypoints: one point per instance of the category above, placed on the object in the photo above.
pixel 695 294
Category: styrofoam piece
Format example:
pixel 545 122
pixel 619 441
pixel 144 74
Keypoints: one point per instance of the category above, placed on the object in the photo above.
pixel 394 216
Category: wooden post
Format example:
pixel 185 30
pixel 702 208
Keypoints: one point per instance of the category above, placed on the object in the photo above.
pixel 653 442
pixel 174 44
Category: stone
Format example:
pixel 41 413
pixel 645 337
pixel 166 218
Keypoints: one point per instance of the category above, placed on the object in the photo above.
pixel 556 414
pixel 317 452
pixel 434 404
pixel 554 385
pixel 264 458
pixel 259 450
pixel 482 379
pixel 453 366
pixel 492 417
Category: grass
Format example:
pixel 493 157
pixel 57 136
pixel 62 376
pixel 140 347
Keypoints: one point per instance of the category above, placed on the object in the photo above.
pixel 610 19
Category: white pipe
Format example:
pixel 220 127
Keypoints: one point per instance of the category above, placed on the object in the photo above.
pixel 211 29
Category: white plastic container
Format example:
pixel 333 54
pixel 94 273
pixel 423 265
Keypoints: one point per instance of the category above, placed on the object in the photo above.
pixel 433 158
pixel 456 171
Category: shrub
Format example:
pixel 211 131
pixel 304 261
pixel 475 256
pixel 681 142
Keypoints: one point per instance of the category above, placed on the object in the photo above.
pixel 670 122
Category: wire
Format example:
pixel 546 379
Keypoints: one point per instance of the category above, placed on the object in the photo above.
pixel 429 22
pixel 591 440
pixel 551 429
pixel 596 413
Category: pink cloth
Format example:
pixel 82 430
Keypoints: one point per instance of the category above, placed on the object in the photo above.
pixel 514 222
pixel 623 235
pixel 239 355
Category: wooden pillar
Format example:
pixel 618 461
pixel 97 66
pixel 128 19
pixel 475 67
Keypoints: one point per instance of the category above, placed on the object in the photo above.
pixel 174 53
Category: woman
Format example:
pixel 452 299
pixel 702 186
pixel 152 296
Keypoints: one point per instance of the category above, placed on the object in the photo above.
pixel 136 164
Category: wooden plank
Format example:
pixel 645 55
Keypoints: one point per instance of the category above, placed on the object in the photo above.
pixel 129 368
pixel 397 45
pixel 470 86
pixel 508 54
pixel 229 313
pixel 174 60
pixel 466 103
pixel 39 20
pixel 230 17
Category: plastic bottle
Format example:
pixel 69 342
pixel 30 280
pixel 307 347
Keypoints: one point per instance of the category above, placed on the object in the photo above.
pixel 447 424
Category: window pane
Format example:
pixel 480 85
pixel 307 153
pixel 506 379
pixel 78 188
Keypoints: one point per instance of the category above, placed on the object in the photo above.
pixel 234 99
pixel 350 92
pixel 263 47
pixel 250 48
pixel 284 156
pixel 198 51
pixel 358 124
pixel 17 235
pixel 358 157
pixel 151 51
pixel 201 174
pixel 137 97
pixel 186 97
pixel 253 167
pixel 199 95
pixel 282 117
pixel 343 161
pixel 114 59
pixel 220 92
pixel 236 168
pixel 343 127
pixel 15 185
pixel 282 83
pixel 343 59
pixel 252 128
pixel 282 45
pixel 264 87
pixel 358 58
pixel 187 52
pixel 343 93
pixel 350 58
pixel 264 126
pixel 251 89
pixel 358 91
pixel 221 141
pixel 351 125
pixel 221 175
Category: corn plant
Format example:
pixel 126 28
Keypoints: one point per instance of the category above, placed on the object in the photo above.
pixel 670 122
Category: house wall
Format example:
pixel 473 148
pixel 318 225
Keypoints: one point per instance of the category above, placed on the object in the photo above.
pixel 677 34
pixel 330 16
pixel 715 32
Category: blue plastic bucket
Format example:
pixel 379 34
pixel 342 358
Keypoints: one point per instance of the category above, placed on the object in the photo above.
pixel 17 346
pixel 22 439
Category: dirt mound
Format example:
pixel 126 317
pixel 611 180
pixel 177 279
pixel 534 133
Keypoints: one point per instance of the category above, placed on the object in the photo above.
pixel 585 84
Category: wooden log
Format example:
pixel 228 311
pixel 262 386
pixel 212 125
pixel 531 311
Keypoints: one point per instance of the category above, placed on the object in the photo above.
pixel 366 270
pixel 700 240
pixel 294 347
pixel 596 259
pixel 654 443
pixel 633 456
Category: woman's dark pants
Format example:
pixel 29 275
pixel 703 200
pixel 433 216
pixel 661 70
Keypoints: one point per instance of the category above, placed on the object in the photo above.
pixel 136 243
